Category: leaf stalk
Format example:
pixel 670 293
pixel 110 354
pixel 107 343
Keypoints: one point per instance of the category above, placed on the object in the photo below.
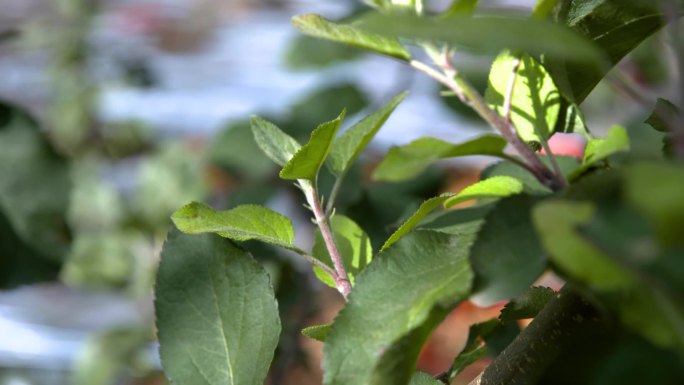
pixel 340 274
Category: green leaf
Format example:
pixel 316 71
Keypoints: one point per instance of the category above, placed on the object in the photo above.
pixel 317 26
pixel 35 185
pixel 352 243
pixel 347 147
pixel 475 348
pixel 556 223
pixel 600 149
pixel 307 53
pixel 543 8
pixel 535 101
pixel 235 149
pixel 494 187
pixel 656 190
pixel 398 362
pixel 653 305
pixel 396 294
pixel 507 256
pixel 567 164
pixel 396 5
pixel 383 5
pixel 490 34
pixel 649 313
pixel 317 332
pixel 217 317
pixel 420 378
pixel 615 26
pixel 527 305
pixel 461 8
pixel 241 223
pixel 468 356
pixel 276 144
pixel 663 116
pixel 407 161
pixel 571 119
pixel 309 159
pixel 425 208
pixel 20 264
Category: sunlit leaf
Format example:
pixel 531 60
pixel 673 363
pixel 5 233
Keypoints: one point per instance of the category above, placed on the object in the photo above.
pixel 242 223
pixel 599 149
pixel 349 146
pixel 407 161
pixel 535 102
pixel 217 317
pixel 316 26
pixel 317 332
pixel 494 187
pixel 353 245
pixel 309 158
pixel 393 296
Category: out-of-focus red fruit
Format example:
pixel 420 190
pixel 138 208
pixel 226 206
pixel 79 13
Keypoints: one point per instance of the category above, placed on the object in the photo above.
pixel 567 145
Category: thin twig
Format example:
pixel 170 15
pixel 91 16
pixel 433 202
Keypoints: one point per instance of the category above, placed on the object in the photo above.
pixel 471 97
pixel 340 277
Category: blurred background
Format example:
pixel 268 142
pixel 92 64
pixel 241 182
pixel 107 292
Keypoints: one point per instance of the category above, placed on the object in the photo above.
pixel 114 113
